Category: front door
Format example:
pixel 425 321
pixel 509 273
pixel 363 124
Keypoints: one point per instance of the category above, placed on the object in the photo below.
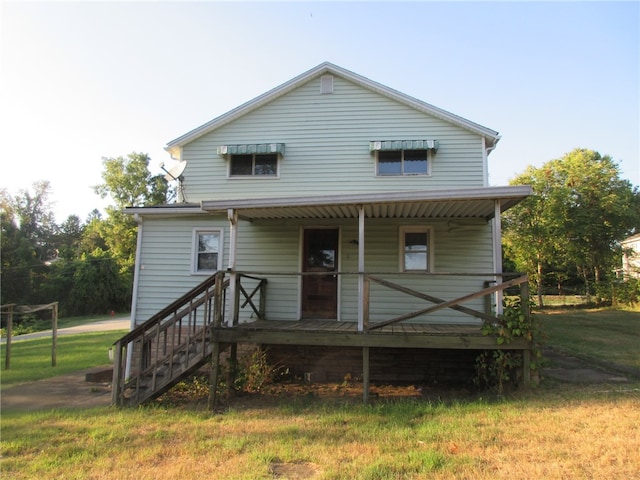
pixel 320 255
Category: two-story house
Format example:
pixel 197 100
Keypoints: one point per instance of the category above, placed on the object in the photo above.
pixel 331 212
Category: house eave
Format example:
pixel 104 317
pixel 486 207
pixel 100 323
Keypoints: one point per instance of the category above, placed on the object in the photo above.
pixel 453 203
pixel 167 210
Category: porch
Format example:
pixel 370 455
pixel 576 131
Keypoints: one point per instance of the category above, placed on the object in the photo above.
pixel 323 276
pixel 195 328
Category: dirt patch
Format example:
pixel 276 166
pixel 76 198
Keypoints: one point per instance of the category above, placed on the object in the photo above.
pixel 294 470
pixel 572 369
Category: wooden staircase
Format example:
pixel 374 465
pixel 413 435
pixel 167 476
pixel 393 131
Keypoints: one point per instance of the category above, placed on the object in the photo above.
pixel 169 346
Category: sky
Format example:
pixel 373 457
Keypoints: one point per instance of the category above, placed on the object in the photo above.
pixel 83 81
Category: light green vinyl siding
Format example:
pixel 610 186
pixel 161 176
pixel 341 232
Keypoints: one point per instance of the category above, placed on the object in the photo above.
pixel 326 141
pixel 165 260
pixel 166 255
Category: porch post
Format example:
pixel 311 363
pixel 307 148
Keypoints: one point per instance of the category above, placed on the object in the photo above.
pixel 497 252
pixel 365 374
pixel 363 307
pixel 361 299
pixel 232 214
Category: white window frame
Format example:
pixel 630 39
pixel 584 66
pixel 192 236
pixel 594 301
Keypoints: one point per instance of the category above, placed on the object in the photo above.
pixel 194 249
pixel 401 243
pixel 253 166
pixel 402 173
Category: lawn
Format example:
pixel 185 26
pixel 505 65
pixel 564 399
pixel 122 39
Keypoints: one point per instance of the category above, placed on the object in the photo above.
pixel 553 433
pixel 31 359
pixel 557 431
pixel 607 335
pixel 30 324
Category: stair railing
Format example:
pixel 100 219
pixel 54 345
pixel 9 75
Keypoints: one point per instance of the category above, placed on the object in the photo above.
pixel 179 330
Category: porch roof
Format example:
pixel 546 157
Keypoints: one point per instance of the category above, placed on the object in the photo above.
pixel 451 203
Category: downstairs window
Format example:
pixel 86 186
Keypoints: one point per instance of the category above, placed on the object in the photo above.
pixel 207 251
pixel 415 249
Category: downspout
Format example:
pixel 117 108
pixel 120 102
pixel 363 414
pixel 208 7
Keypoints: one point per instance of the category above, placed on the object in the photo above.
pixel 136 282
pixel 496 224
pixel 485 158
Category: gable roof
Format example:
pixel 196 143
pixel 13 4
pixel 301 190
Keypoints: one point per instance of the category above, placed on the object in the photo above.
pixel 492 137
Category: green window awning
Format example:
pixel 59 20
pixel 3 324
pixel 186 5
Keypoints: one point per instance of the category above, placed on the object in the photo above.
pixel 248 148
pixel 382 145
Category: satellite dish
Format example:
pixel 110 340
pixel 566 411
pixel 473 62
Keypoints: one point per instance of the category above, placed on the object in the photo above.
pixel 174 172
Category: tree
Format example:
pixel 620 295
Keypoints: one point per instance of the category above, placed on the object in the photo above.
pixel 17 256
pixel 529 227
pixel 36 220
pixel 98 286
pixel 601 209
pixel 130 184
pixel 69 237
pixel 579 210
pixel 28 240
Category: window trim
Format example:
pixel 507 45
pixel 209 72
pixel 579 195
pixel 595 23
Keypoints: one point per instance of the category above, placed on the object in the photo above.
pixel 253 165
pixel 197 231
pixel 402 174
pixel 402 231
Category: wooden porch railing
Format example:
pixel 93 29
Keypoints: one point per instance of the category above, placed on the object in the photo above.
pixel 439 303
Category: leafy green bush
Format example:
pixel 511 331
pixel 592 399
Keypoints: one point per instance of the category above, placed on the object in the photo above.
pixel 496 368
pixel 626 293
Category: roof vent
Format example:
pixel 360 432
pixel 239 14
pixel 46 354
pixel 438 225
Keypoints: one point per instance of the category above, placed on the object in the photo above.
pixel 326 84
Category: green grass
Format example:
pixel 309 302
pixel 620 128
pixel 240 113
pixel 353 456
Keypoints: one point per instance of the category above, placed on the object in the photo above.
pixel 605 334
pixel 30 324
pixel 545 434
pixel 31 359
pixel 556 431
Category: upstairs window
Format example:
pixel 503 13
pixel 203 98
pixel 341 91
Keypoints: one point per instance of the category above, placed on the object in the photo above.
pixel 403 157
pixel 257 160
pixel 403 162
pixel 253 164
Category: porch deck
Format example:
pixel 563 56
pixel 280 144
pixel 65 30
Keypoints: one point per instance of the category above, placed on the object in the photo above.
pixel 346 334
